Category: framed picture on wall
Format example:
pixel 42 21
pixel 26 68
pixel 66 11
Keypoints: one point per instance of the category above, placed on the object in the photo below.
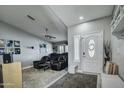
pixel 2 51
pixel 10 43
pixel 40 45
pixel 10 50
pixel 16 43
pixel 2 43
pixel 44 45
pixel 17 51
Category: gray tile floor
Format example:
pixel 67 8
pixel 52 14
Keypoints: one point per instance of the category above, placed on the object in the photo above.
pixel 33 78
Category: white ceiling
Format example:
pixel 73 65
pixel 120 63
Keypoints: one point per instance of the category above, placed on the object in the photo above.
pixel 17 16
pixel 70 14
pixel 55 18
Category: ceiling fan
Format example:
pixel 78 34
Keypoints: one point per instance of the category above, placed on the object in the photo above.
pixel 47 36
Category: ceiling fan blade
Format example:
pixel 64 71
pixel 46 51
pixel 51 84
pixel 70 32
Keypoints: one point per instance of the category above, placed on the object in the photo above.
pixel 49 36
pixel 53 37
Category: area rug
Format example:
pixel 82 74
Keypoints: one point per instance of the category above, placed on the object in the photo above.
pixel 76 81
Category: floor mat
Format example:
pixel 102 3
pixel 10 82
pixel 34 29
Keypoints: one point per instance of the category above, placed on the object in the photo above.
pixel 76 81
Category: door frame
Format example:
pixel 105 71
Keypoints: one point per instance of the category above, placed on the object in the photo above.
pixel 100 33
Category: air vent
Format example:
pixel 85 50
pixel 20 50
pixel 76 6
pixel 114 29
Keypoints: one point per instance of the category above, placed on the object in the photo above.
pixel 30 17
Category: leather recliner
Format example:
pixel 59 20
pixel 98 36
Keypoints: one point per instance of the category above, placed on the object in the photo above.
pixel 59 62
pixel 41 63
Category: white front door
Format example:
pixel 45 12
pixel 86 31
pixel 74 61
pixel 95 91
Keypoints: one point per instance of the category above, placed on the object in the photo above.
pixel 92 52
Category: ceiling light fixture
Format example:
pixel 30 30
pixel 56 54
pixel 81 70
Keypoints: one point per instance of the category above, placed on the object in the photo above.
pixel 81 17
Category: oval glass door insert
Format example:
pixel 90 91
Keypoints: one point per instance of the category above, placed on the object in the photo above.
pixel 91 48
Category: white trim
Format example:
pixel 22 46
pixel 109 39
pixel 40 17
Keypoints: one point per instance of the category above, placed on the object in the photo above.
pixel 55 80
pixel 27 67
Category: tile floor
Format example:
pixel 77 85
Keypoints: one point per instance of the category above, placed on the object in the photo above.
pixel 33 78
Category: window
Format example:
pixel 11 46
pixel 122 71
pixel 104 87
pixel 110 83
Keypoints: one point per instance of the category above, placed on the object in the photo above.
pixel 66 48
pixel 76 48
pixel 62 48
pixel 91 48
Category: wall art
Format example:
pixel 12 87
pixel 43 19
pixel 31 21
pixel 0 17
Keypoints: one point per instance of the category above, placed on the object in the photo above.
pixel 10 43
pixel 17 51
pixel 10 50
pixel 2 43
pixel 2 51
pixel 16 43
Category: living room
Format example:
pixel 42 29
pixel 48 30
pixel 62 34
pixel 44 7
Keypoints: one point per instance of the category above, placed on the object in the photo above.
pixel 30 46
pixel 47 47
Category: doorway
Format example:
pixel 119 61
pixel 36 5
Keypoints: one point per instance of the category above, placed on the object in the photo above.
pixel 91 52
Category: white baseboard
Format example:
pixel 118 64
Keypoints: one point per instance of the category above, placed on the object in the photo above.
pixel 27 67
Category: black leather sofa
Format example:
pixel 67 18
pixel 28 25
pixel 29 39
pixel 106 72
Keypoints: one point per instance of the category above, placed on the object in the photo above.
pixel 56 61
pixel 59 61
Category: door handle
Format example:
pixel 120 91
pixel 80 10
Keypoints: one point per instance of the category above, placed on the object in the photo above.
pixel 84 54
